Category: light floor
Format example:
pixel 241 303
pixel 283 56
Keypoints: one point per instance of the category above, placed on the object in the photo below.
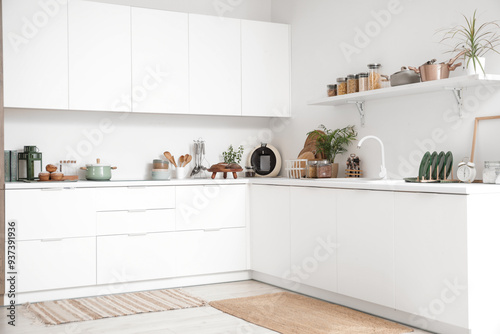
pixel 201 320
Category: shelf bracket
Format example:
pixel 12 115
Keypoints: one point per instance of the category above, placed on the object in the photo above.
pixel 459 96
pixel 361 109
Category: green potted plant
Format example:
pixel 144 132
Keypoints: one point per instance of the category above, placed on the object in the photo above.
pixel 475 39
pixel 331 143
pixel 232 156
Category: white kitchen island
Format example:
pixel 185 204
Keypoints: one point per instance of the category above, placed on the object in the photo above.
pixel 424 255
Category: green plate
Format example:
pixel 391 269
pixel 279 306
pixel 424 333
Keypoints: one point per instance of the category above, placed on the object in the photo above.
pixel 440 166
pixel 448 163
pixel 423 163
pixel 432 166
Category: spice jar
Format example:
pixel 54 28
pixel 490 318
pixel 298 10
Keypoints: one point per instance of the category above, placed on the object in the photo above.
pixel 332 90
pixel 491 171
pixel 374 80
pixel 341 86
pixel 249 171
pixel 352 84
pixel 324 170
pixel 312 169
pixel 362 82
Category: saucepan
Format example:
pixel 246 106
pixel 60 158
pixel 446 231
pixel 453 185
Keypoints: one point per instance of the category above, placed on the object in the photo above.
pixel 404 77
pixel 432 71
pixel 98 171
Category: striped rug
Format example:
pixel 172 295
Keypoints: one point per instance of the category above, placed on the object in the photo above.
pixel 93 308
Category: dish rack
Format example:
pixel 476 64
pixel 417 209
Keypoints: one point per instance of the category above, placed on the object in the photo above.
pixel 295 169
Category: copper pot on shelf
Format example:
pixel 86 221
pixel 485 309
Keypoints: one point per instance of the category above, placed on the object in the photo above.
pixel 431 71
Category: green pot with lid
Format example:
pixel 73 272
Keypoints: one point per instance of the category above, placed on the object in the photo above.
pixel 98 171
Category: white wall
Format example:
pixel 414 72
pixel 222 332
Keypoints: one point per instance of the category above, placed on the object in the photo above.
pixel 405 124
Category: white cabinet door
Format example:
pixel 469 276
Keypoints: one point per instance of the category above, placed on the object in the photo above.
pixel 135 198
pixel 56 264
pixel 209 207
pixel 51 213
pixel 431 257
pixel 99 56
pixel 314 237
pixel 35 49
pixel 214 65
pixel 160 61
pixel 209 252
pixel 270 230
pixel 265 69
pixel 136 257
pixel 365 227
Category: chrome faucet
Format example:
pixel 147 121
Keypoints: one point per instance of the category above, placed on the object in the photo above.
pixel 383 170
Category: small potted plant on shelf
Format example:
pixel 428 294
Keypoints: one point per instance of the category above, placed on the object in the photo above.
pixel 231 162
pixel 475 39
pixel 331 143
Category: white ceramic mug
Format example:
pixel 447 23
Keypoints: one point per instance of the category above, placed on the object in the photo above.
pixel 182 173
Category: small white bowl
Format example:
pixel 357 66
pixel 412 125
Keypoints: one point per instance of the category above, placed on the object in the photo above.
pixel 162 174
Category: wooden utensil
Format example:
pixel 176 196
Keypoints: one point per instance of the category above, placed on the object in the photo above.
pixel 170 158
pixel 181 161
pixel 187 159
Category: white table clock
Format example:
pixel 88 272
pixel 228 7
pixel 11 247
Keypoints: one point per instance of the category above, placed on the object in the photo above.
pixel 466 171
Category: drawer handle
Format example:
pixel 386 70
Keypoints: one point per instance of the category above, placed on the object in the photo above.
pixel 138 235
pixel 137 211
pixel 52 240
pixel 212 230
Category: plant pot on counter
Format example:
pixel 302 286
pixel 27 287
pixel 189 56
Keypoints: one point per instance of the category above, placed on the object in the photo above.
pixel 98 171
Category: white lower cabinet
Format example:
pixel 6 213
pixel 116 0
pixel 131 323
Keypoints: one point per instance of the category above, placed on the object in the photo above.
pixel 135 257
pixel 431 257
pixel 365 234
pixel 208 252
pixel 270 230
pixel 314 237
pixel 56 264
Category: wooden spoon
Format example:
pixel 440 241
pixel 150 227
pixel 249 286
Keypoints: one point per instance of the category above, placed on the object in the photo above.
pixel 187 159
pixel 170 158
pixel 181 161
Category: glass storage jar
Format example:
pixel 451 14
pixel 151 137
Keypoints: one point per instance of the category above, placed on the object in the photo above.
pixel 332 90
pixel 491 171
pixel 312 169
pixel 249 171
pixel 363 82
pixel 341 86
pixel 352 84
pixel 325 169
pixel 374 78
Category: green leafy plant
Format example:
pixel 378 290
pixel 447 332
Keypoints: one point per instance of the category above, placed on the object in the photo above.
pixel 475 39
pixel 231 156
pixel 331 143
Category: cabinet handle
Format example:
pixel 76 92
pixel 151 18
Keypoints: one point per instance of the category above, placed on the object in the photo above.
pixel 137 211
pixel 137 234
pixel 212 230
pixel 52 240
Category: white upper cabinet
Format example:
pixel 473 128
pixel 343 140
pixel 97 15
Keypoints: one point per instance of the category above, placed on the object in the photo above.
pixel 265 69
pixel 99 56
pixel 160 61
pixel 35 48
pixel 215 65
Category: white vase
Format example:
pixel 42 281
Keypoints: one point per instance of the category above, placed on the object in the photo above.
pixel 479 66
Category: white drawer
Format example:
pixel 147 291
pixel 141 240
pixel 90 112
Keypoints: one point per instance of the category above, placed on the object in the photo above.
pixel 135 221
pixel 56 264
pixel 135 198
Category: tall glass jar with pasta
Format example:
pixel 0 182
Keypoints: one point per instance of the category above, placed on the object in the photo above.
pixel 374 77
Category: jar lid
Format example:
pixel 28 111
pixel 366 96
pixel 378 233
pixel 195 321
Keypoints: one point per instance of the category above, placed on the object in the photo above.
pixel 158 161
pixel 350 76
pixel 332 86
pixel 374 66
pixel 491 164
pixel 343 79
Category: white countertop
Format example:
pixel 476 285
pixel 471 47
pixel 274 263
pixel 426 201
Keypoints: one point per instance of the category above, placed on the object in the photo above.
pixel 361 184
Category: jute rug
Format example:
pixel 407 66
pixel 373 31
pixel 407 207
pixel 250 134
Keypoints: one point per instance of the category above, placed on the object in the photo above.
pixel 289 313
pixel 93 308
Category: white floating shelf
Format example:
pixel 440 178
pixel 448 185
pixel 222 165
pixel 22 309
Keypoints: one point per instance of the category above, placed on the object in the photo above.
pixel 456 85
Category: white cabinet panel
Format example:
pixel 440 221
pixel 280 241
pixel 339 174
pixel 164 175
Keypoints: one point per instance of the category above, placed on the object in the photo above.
pixel 206 252
pixel 56 264
pixel 51 213
pixel 160 61
pixel 135 198
pixel 314 237
pixel 431 256
pixel 215 65
pixel 365 221
pixel 135 221
pixel 208 207
pixel 265 69
pixel 35 49
pixel 128 258
pixel 270 230
pixel 99 56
